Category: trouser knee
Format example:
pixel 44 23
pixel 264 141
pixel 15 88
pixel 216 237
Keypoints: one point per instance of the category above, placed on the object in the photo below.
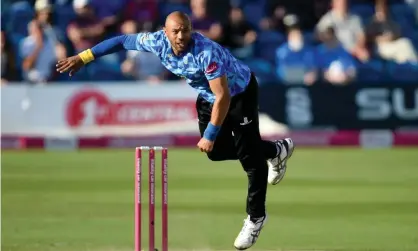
pixel 221 155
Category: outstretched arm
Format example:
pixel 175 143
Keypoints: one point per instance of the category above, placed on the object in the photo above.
pixel 142 41
pixel 111 45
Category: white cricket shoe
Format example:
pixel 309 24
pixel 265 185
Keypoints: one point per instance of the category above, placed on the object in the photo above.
pixel 249 232
pixel 277 166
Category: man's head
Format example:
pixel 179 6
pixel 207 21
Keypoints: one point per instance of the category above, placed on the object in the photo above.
pixel 198 8
pixel 178 30
pixel 83 8
pixel 236 15
pixel 43 11
pixel 340 6
pixel 381 10
pixel 329 38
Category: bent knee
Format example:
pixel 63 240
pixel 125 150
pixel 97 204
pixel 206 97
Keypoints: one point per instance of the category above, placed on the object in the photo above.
pixel 214 157
pixel 220 156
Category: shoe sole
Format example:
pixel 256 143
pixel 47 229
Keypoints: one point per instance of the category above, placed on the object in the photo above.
pixel 284 162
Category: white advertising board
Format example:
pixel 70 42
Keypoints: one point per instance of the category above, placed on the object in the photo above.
pixel 66 109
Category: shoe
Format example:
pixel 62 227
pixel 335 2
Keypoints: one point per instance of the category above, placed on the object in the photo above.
pixel 277 165
pixel 249 232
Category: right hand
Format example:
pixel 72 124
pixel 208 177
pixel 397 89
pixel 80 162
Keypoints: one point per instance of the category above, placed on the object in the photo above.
pixel 71 64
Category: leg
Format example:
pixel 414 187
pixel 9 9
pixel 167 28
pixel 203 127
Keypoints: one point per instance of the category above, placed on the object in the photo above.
pixel 252 152
pixel 248 144
pixel 244 119
pixel 249 147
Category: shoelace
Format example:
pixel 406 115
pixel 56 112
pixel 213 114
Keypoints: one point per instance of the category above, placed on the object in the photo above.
pixel 278 165
pixel 247 226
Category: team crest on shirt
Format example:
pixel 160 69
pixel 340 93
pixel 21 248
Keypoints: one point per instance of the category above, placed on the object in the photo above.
pixel 212 67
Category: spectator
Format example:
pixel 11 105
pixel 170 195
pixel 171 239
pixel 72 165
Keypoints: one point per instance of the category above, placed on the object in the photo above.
pixel 386 35
pixel 44 17
pixel 295 59
pixel 304 9
pixel 86 30
pixel 108 12
pixel 348 29
pixel 277 19
pixel 337 66
pixel 40 54
pixel 140 11
pixel 201 21
pixel 238 35
pixel 9 70
pixel 142 65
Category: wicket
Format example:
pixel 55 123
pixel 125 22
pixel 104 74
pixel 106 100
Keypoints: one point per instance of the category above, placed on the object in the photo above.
pixel 151 196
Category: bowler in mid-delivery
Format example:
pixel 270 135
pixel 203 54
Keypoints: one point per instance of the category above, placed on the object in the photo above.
pixel 227 106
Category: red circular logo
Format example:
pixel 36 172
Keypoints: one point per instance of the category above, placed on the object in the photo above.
pixel 88 107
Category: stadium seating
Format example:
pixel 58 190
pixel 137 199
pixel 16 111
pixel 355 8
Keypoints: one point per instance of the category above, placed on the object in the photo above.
pixel 17 14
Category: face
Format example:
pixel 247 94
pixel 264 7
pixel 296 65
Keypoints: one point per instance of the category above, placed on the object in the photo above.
pixel 43 16
pixel 340 5
pixel 328 37
pixel 295 35
pixel 236 15
pixel 84 11
pixel 381 12
pixel 179 34
pixel 198 8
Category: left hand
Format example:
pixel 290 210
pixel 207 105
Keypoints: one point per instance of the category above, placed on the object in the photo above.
pixel 205 145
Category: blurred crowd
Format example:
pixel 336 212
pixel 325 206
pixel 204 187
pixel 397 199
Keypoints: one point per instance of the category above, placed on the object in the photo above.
pixel 284 41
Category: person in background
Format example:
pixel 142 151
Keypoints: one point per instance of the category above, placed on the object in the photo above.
pixel 39 53
pixel 9 70
pixel 141 12
pixel 139 64
pixel 44 16
pixel 202 22
pixel 336 64
pixel 295 59
pixel 109 13
pixel 348 29
pixel 86 30
pixel 385 35
pixel 238 35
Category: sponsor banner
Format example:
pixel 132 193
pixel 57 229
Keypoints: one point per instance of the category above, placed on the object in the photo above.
pixel 62 110
pixel 119 109
pixel 353 107
pixel 367 139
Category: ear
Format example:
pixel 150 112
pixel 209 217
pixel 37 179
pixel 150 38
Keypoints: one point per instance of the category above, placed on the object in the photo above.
pixel 165 30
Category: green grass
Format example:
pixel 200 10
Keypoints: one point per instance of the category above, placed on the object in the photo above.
pixel 340 199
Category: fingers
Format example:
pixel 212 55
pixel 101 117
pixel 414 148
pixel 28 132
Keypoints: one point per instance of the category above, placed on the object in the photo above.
pixel 64 66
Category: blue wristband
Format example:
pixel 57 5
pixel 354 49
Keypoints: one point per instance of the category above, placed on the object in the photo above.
pixel 211 132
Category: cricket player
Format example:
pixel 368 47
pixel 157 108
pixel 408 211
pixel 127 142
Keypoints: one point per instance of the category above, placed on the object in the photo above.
pixel 227 106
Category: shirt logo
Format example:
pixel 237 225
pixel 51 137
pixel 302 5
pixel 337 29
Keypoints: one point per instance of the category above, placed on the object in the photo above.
pixel 212 67
pixel 246 122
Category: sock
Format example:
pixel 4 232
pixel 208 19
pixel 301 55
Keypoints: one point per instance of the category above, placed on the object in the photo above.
pixel 271 149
